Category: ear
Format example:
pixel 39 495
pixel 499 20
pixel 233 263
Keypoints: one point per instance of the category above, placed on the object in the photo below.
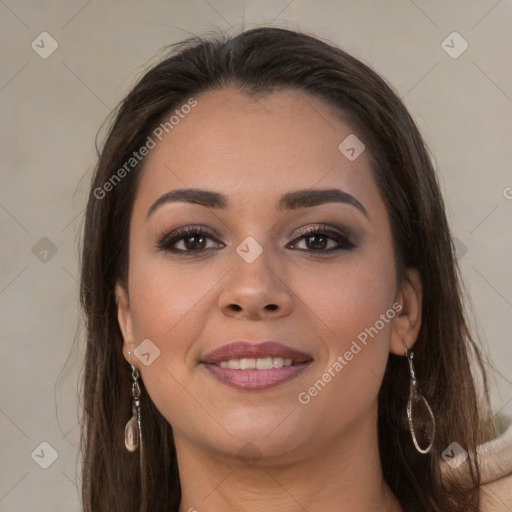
pixel 407 323
pixel 124 317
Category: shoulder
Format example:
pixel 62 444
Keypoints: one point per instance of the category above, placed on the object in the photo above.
pixel 496 467
pixel 495 461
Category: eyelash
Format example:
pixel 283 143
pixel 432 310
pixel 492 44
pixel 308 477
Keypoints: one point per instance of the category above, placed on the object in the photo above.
pixel 167 241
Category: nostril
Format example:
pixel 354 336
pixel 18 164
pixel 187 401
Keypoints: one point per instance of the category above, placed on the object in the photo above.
pixel 235 307
pixel 272 307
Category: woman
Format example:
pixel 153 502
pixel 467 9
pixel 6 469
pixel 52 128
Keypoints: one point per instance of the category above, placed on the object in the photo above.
pixel 273 309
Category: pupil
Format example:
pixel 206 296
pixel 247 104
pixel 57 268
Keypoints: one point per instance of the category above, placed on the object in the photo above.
pixel 192 242
pixel 318 245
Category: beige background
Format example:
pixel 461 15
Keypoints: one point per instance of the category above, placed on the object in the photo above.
pixel 52 108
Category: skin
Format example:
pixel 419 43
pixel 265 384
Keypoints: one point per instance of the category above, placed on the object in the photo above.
pixel 315 457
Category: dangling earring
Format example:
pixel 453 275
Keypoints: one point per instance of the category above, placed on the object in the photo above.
pixel 419 413
pixel 132 431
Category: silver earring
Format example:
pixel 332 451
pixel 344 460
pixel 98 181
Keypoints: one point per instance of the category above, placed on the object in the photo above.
pixel 422 423
pixel 132 431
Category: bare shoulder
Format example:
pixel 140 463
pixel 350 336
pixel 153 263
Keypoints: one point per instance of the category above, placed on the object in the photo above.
pixel 495 460
pixel 496 463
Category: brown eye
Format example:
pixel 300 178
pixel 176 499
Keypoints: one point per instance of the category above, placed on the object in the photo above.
pixel 187 240
pixel 194 242
pixel 317 241
pixel 324 240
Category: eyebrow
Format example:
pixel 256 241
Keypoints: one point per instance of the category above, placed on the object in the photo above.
pixel 305 198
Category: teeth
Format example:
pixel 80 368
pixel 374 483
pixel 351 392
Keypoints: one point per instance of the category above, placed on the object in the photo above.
pixel 263 363
pixel 234 364
pixel 260 363
pixel 247 364
pixel 277 362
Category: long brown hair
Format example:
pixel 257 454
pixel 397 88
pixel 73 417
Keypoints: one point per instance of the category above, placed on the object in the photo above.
pixel 260 61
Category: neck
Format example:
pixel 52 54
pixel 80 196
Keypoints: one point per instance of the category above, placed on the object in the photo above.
pixel 344 476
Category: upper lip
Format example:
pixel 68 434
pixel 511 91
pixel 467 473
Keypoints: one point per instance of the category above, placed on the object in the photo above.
pixel 243 349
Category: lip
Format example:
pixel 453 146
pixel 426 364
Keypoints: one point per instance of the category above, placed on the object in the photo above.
pixel 240 349
pixel 255 379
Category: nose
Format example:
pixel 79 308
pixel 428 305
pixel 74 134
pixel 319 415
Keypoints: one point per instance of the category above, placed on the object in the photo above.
pixel 256 291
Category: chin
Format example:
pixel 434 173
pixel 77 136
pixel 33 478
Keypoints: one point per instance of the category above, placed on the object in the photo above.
pixel 270 432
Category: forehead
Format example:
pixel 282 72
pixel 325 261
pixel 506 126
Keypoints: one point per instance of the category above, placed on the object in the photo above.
pixel 254 147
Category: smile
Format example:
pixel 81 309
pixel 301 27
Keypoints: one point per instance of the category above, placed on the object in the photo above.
pixel 259 366
pixel 260 363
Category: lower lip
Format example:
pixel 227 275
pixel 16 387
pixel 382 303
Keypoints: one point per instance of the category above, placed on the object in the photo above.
pixel 256 379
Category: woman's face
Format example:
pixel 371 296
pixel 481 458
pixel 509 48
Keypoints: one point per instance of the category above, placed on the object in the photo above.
pixel 254 274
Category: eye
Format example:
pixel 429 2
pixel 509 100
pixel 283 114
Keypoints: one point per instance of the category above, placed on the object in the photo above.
pixel 188 240
pixel 323 239
pixel 195 239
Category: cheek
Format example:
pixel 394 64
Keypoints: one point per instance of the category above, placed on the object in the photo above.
pixel 172 303
pixel 352 308
pixel 167 300
pixel 170 306
pixel 349 297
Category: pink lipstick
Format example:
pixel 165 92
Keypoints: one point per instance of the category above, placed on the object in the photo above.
pixel 255 366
